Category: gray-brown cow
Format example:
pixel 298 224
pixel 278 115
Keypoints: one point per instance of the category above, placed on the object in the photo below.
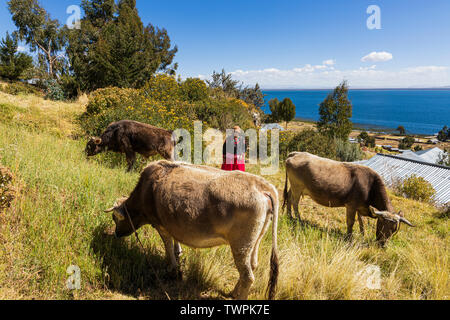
pixel 203 207
pixel 338 184
pixel 131 137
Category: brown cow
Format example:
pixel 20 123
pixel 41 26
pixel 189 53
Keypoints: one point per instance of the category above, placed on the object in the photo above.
pixel 204 207
pixel 337 184
pixel 131 137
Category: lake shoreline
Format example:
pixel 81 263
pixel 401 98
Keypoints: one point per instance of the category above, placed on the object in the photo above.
pixel 365 127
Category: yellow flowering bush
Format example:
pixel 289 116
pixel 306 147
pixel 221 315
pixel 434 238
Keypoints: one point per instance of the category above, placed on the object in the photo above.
pixel 112 97
pixel 415 187
pixel 161 87
pixel 166 103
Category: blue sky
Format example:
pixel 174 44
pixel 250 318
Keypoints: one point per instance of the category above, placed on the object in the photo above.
pixel 300 44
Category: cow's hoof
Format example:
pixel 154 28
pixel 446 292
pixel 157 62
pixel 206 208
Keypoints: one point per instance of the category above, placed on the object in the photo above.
pixel 234 294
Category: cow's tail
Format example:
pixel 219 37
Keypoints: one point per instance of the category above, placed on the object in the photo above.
pixel 274 265
pixel 285 192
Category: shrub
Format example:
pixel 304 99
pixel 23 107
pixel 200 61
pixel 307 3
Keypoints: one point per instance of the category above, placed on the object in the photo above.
pixel 368 141
pixel 319 144
pixel 416 188
pixel 16 88
pixel 110 98
pixel 69 86
pixel 224 113
pixel 347 152
pixel 406 143
pixel 54 91
pixel 418 148
pixel 194 89
pixel 165 103
pixel 114 104
pixel 162 87
pixel 6 188
pixel 309 141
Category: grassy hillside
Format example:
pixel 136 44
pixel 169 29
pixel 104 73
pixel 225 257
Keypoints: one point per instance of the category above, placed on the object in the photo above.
pixel 57 220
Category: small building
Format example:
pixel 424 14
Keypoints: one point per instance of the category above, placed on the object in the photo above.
pixel 433 141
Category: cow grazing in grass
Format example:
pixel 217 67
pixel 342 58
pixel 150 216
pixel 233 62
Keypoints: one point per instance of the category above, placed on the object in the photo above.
pixel 337 184
pixel 131 137
pixel 204 207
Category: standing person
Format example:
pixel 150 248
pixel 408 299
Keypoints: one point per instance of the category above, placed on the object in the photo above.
pixel 234 151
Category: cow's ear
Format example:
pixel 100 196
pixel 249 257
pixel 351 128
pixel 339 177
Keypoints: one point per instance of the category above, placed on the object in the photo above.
pixel 97 140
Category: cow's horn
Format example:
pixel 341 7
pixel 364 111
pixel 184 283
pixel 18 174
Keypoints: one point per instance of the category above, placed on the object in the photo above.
pixel 406 221
pixel 109 210
pixel 378 213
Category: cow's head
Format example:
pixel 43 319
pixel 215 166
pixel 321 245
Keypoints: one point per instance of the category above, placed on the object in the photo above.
pixel 388 224
pixel 122 215
pixel 93 146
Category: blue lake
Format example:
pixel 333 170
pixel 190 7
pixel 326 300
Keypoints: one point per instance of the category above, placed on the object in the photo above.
pixel 419 111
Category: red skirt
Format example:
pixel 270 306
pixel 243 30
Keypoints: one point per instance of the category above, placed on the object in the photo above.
pixel 238 164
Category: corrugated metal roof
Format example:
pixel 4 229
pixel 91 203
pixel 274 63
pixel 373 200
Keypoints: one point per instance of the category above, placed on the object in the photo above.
pixel 411 156
pixel 394 168
pixel 431 155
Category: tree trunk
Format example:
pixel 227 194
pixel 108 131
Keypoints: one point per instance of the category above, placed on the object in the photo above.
pixel 50 64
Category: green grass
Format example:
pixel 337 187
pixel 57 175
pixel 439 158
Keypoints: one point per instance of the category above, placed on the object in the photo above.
pixel 57 220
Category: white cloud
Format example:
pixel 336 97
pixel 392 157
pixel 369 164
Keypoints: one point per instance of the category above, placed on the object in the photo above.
pixel 329 62
pixel 21 49
pixel 377 57
pixel 325 76
pixel 426 69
